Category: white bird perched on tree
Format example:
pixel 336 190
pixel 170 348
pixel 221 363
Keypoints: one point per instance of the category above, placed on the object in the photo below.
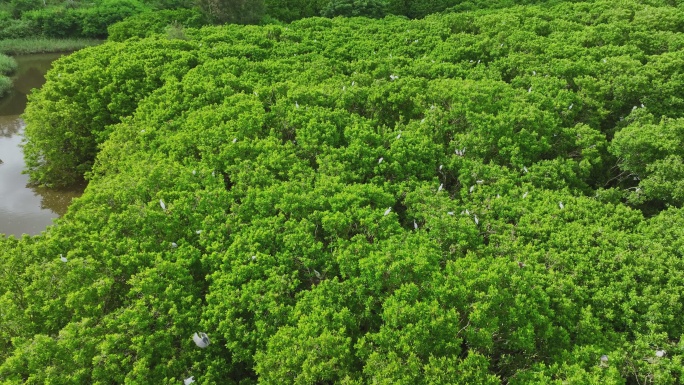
pixel 163 206
pixel 604 358
pixel 660 353
pixel 560 204
pixel 415 225
pixel 389 209
pixel 174 244
pixel 189 380
pixel 477 221
pixel 441 185
pixel 394 77
pixel 450 213
pixel 317 274
pixel 201 340
pixel 62 258
pixel 380 160
pixel 525 195
pixel 234 140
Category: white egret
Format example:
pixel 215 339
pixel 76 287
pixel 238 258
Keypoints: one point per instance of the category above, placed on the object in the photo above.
pixel 234 140
pixel 62 258
pixel 534 73
pixel 525 169
pixel 353 84
pixel 189 380
pixel 253 257
pixel 394 77
pixel 415 225
pixel 389 209
pixel 318 275
pixel 477 221
pixel 440 187
pixel 525 195
pixel 529 90
pixel 450 213
pixel 201 340
pixel 296 105
pixel 198 232
pixel 604 358
pixel 660 353
pixel 163 206
pixel 399 136
pixel 480 181
pixel 380 160
pixel 174 244
pixel 570 107
pixel 472 188
pixel 440 167
pixel 194 172
pixel 467 212
pixel 560 204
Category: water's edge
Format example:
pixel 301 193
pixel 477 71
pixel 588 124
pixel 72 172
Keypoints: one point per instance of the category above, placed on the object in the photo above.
pixel 25 209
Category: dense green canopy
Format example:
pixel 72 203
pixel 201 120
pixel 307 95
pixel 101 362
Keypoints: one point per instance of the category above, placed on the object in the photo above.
pixel 470 198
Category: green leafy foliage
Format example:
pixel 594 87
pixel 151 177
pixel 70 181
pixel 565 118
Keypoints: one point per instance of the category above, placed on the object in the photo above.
pixel 349 200
pixel 232 11
pixel 368 8
pixel 150 23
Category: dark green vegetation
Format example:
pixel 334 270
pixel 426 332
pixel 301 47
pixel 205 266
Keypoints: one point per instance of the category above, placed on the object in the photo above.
pixel 7 68
pixel 72 18
pixel 469 198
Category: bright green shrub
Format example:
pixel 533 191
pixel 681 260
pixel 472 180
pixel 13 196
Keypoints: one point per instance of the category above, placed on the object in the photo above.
pixel 232 11
pixel 149 23
pixel 95 20
pixel 359 201
pixel 55 21
pixel 367 8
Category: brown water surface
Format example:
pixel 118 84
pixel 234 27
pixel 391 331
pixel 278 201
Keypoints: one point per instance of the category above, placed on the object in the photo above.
pixel 25 209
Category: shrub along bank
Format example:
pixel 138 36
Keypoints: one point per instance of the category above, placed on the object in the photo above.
pixel 472 196
pixel 7 67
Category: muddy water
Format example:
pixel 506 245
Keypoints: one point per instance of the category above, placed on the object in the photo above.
pixel 25 209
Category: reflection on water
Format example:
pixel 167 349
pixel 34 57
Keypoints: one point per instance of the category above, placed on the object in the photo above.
pixel 25 209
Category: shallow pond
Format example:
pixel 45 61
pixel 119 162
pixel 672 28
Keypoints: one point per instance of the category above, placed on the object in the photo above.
pixel 25 209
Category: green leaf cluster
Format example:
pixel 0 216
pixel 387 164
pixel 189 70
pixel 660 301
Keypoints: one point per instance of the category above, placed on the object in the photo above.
pixel 445 200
